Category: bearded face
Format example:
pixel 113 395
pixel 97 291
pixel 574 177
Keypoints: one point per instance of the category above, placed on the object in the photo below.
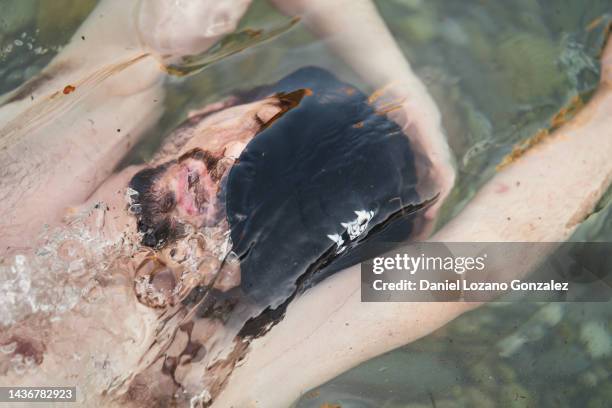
pixel 184 191
pixel 187 190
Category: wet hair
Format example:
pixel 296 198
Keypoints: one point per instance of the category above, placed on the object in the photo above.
pixel 152 207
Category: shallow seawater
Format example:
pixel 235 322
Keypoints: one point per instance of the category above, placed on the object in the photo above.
pixel 499 71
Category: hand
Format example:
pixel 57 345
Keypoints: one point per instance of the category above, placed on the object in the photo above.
pixel 410 105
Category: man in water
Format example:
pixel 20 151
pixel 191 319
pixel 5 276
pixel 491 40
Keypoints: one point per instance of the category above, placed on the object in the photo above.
pixel 75 138
pixel 258 178
pixel 327 306
pixel 100 123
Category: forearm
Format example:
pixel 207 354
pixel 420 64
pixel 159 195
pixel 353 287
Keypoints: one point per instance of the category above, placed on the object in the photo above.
pixel 60 164
pixel 356 32
pixel 107 37
pixel 65 131
pixel 544 195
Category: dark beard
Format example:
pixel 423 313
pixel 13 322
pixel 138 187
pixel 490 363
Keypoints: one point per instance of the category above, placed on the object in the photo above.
pixel 152 209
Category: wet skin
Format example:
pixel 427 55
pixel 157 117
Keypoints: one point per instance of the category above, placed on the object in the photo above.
pixel 328 155
pixel 190 192
pixel 491 210
pixel 177 193
pixel 129 102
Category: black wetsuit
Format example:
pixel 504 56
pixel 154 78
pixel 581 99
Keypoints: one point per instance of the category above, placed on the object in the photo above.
pixel 300 179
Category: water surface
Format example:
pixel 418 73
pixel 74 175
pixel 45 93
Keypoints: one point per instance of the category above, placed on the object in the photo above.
pixel 499 71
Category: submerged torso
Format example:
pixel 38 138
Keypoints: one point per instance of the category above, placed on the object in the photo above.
pixel 309 192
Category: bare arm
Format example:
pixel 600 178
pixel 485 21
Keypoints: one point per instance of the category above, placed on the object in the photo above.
pixel 560 181
pixel 63 133
pixel 117 95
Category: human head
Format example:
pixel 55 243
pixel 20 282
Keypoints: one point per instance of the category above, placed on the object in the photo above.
pixel 184 186
pixel 187 190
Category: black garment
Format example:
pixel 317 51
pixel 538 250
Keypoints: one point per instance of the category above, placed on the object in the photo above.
pixel 301 178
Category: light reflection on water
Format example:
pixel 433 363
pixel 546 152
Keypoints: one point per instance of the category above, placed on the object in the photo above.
pixel 499 71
